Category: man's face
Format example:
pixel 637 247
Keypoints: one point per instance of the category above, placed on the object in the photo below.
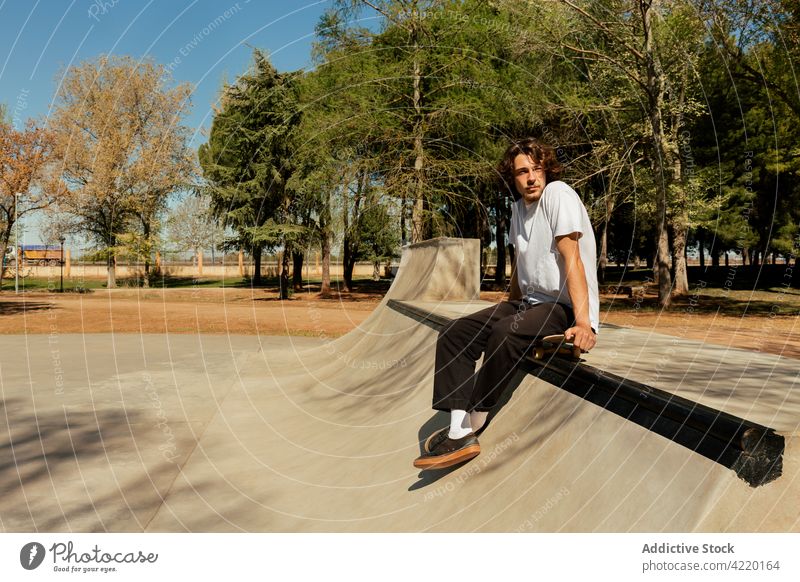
pixel 529 178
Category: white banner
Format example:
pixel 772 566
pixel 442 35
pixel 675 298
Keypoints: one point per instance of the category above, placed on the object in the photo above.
pixel 400 557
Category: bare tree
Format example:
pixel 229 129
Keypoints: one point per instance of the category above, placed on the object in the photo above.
pixel 26 182
pixel 123 151
pixel 191 225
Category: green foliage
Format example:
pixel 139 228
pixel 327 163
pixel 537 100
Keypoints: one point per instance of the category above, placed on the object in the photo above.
pixel 405 122
pixel 248 158
pixel 376 234
pixel 425 104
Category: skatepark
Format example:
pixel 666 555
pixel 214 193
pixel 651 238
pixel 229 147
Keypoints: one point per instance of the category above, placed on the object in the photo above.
pixel 224 433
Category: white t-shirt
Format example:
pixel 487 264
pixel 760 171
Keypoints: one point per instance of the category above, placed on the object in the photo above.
pixel 540 272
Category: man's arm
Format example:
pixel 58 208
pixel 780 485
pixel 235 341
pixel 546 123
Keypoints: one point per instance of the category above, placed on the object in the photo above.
pixel 581 333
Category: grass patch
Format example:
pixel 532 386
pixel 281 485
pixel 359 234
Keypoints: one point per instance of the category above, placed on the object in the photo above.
pixel 53 284
pixel 364 286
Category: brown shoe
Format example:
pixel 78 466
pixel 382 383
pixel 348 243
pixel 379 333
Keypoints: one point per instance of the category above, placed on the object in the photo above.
pixel 446 452
pixel 435 436
pixel 441 433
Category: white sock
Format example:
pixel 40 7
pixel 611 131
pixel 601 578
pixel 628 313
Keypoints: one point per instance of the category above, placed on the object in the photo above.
pixel 459 424
pixel 477 418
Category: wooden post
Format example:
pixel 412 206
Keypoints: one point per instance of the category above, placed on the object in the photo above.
pixel 241 263
pixel 199 262
pixel 66 262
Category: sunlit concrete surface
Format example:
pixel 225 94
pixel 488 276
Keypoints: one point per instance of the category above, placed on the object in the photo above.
pixel 233 433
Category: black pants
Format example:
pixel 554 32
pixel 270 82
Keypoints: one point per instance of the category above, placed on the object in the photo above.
pixel 504 333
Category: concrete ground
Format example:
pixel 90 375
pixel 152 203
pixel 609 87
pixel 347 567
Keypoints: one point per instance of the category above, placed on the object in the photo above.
pixel 246 433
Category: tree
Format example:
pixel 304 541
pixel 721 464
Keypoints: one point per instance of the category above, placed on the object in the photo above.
pixel 247 161
pixel 761 38
pixel 191 225
pixel 444 95
pixel 336 157
pixel 405 32
pixel 756 44
pixel 123 151
pixel 27 183
pixel 649 47
pixel 377 239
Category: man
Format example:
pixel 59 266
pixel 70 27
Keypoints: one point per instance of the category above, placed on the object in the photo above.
pixel 553 291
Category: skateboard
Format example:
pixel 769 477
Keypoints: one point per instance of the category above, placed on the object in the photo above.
pixel 555 345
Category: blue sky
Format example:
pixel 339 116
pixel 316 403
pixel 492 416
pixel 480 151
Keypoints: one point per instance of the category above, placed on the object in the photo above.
pixel 202 41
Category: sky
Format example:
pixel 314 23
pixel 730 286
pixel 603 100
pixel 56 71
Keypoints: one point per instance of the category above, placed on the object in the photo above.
pixel 203 42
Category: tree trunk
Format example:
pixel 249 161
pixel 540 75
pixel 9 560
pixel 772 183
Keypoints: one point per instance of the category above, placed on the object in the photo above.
pixel 297 270
pixel 4 249
pixel 500 242
pixel 680 178
pixel 6 240
pixel 284 278
pixel 701 248
pixel 418 210
pixel 111 267
pixel 679 261
pixel 417 215
pixel 350 242
pixel 146 232
pixel 603 258
pixel 376 270
pixel 256 265
pixel 347 278
pixel 403 234
pixel 348 264
pixel 325 247
pixel 663 157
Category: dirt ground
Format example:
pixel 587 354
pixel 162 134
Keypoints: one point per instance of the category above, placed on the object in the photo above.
pixel 251 311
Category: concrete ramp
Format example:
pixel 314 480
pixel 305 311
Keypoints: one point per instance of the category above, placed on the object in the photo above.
pixel 322 439
pixel 247 433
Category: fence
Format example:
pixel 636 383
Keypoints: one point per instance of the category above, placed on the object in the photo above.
pixel 223 267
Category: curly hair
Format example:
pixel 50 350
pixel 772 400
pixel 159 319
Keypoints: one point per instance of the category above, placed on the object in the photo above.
pixel 539 152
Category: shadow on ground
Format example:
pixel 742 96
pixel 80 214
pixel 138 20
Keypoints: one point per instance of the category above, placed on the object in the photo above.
pixel 76 470
pixel 17 307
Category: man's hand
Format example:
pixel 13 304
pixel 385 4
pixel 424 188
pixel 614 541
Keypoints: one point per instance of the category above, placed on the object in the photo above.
pixel 581 337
